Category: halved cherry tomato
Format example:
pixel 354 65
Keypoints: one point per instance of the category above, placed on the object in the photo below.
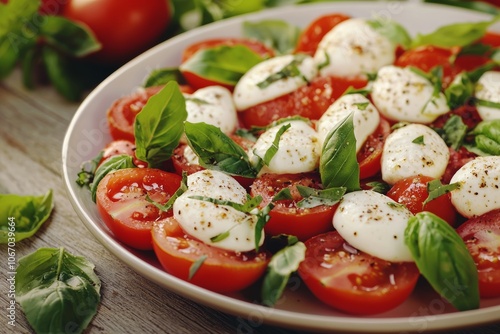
pixel 286 217
pixel 121 201
pixel 352 281
pixel 221 271
pixel 468 113
pixel 197 81
pixel 457 160
pixel 309 101
pixel 121 115
pixel 316 30
pixel 482 237
pixel 412 192
pixel 118 147
pixel 370 154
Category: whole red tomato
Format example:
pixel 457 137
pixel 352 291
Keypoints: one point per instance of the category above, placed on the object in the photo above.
pixel 125 28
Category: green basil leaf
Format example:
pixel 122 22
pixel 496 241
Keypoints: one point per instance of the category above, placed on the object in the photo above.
pixel 273 149
pixel 170 203
pixel 247 207
pixel 338 165
pixel 443 259
pixel 316 197
pixel 455 34
pixel 276 34
pixel 162 76
pixel 487 137
pixel 379 187
pixel 262 219
pixel 18 15
pixel 394 31
pixel 62 75
pixel 224 64
pixel 419 140
pixel 479 6
pixel 87 173
pixel 217 151
pixel 281 266
pixel 454 132
pixel 459 91
pixel 283 194
pixel 487 145
pixel 28 67
pixel 193 269
pixel 436 189
pixel 290 70
pixel 22 216
pixel 58 292
pixel 70 37
pixel 9 56
pixel 159 125
pixel 485 103
pixel 111 164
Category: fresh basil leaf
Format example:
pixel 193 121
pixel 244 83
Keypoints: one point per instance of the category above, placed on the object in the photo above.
pixel 9 56
pixel 459 91
pixel 28 63
pixel 394 31
pixel 316 197
pixel 18 15
pixel 193 269
pixel 217 151
pixel 111 164
pixel 70 37
pixel 247 207
pixel 363 91
pixel 290 70
pixel 259 129
pixel 87 173
pixel 272 150
pixel 245 133
pixel 162 76
pixel 487 137
pixel 281 266
pixel 159 125
pixel 338 165
pixel 379 187
pixel 443 259
pixel 487 145
pixel 62 75
pixel 455 34
pixel 479 6
pixel 220 237
pixel 22 216
pixel 224 64
pixel 283 194
pixel 454 132
pixel 57 290
pixel 419 140
pixel 262 219
pixel 170 203
pixel 436 189
pixel 276 34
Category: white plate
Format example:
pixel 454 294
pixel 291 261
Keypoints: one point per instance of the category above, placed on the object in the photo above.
pixel 298 309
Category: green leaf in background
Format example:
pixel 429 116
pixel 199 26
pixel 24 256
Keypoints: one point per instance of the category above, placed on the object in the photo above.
pixel 338 164
pixel 160 125
pixel 16 14
pixel 282 265
pixel 394 31
pixel 223 64
pixel 9 57
pixel 276 34
pixel 456 34
pixel 58 292
pixel 111 164
pixel 479 6
pixel 68 36
pixel 443 259
pixel 217 151
pixel 22 216
pixel 162 76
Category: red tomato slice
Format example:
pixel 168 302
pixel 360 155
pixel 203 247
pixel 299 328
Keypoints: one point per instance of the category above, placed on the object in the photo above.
pixel 309 101
pixel 352 281
pixel 457 160
pixel 221 271
pixel 370 154
pixel 316 30
pixel 118 147
pixel 121 201
pixel 412 192
pixel 482 237
pixel 286 218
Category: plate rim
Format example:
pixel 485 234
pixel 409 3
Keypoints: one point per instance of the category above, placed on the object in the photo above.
pixel 228 304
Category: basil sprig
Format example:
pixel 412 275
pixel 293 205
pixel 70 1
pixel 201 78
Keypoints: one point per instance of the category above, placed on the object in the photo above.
pixel 223 64
pixel 394 31
pixel 338 162
pixel 436 189
pixel 487 137
pixel 22 216
pixel 276 34
pixel 443 259
pixel 57 291
pixel 159 125
pixel 112 164
pixel 285 262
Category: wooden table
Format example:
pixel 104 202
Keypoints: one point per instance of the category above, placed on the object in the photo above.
pixel 32 128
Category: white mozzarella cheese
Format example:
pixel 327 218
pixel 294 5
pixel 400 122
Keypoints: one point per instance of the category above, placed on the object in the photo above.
pixel 374 224
pixel 366 117
pixel 412 150
pixel 207 221
pixel 273 78
pixel 298 149
pixel 212 105
pixel 405 96
pixel 488 89
pixel 353 48
pixel 479 190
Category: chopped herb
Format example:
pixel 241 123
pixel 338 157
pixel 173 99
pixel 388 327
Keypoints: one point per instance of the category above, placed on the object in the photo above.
pixel 289 71
pixel 419 140
pixel 196 265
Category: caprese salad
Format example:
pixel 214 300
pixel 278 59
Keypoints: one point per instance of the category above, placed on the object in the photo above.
pixel 354 156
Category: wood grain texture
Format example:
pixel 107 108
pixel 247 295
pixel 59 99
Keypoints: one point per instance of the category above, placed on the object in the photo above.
pixel 32 127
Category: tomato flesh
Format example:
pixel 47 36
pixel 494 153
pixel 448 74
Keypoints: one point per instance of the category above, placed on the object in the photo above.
pixel 370 154
pixel 121 201
pixel 286 217
pixel 352 281
pixel 221 271
pixel 482 238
